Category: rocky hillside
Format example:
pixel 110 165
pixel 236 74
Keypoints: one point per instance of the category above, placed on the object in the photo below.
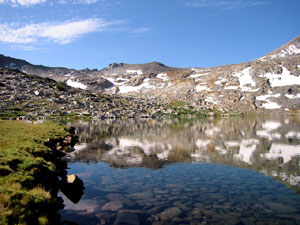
pixel 268 84
pixel 26 96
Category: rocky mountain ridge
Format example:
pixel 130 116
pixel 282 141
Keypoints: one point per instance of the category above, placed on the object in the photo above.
pixel 268 84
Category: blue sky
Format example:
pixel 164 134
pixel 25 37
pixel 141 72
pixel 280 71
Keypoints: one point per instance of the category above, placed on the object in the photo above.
pixel 180 33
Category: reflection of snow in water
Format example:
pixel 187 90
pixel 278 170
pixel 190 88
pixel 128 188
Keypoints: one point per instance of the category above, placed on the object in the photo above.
pixel 206 141
pixel 291 179
pixel 284 151
pixel 232 143
pixel 212 131
pixel 202 143
pixel 199 155
pixel 293 134
pixel 271 125
pixel 247 147
pixel 125 148
pixel 268 127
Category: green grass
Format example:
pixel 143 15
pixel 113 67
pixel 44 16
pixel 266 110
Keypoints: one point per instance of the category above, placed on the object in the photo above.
pixel 27 175
pixel 178 104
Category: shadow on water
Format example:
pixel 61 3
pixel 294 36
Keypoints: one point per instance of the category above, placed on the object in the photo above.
pixel 187 171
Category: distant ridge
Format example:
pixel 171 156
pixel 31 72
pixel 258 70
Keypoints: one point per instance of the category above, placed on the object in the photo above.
pixel 146 68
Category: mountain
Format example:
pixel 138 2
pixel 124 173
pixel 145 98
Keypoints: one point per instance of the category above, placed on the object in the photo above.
pixel 291 49
pixel 86 78
pixel 92 79
pixel 269 84
pixel 147 68
pixel 56 73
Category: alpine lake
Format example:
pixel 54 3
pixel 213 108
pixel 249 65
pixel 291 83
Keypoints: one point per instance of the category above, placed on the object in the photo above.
pixel 235 170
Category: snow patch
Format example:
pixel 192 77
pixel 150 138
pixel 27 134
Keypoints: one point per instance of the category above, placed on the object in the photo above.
pixel 291 50
pixel 263 59
pixel 200 87
pixel 231 87
pixel 198 70
pixel 284 79
pixel 163 76
pixel 145 85
pixel 211 100
pixel 245 79
pixel 220 81
pixel 265 97
pixel 198 75
pixel 138 72
pixel 269 104
pixel 292 96
pixel 76 84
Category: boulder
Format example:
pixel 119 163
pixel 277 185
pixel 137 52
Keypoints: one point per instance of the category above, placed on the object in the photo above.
pixel 72 187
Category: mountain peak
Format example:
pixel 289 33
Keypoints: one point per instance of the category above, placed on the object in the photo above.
pixel 290 49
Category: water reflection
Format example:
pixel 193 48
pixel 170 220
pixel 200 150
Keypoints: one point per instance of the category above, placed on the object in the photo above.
pixel 268 145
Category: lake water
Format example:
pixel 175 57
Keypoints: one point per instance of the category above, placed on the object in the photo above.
pixel 205 171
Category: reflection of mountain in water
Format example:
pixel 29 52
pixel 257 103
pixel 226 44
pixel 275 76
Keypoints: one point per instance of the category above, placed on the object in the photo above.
pixel 268 145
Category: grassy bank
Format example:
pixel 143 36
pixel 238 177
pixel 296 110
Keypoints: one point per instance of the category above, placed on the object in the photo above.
pixel 28 172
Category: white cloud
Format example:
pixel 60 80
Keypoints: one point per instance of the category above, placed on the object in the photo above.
pixel 224 4
pixel 140 30
pixel 80 1
pixel 22 2
pixel 27 3
pixel 61 33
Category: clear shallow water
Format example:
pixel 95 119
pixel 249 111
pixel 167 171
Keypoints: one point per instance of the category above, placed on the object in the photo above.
pixel 187 172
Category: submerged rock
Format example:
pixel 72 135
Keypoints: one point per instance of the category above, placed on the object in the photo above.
pixel 170 213
pixel 112 206
pixel 127 218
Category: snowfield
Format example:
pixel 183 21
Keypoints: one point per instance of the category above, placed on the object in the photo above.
pixel 76 84
pixel 284 79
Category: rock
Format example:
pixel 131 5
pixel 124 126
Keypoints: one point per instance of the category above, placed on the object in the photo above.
pixel 73 179
pixel 119 198
pixel 127 218
pixel 112 206
pixel 72 187
pixel 280 208
pixel 170 213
